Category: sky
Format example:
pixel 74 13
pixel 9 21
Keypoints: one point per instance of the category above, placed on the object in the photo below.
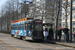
pixel 2 2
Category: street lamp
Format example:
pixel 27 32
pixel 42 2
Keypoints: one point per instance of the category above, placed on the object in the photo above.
pixel 71 22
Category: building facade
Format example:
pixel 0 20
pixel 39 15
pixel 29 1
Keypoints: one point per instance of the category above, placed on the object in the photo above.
pixel 43 10
pixel 68 16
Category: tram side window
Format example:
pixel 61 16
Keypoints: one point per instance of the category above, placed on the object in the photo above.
pixel 29 26
pixel 15 27
pixel 18 27
pixel 22 27
pixel 26 26
pixel 11 27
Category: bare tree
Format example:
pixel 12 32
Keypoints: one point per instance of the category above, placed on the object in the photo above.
pixel 9 8
pixel 65 6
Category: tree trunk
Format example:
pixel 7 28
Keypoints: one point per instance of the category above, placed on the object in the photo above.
pixel 66 13
pixel 57 18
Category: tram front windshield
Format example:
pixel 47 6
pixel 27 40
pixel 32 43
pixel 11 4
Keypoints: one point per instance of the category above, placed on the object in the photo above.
pixel 38 27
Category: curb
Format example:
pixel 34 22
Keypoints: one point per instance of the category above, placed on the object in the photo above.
pixel 63 44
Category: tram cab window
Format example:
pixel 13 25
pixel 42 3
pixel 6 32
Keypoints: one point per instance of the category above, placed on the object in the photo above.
pixel 38 27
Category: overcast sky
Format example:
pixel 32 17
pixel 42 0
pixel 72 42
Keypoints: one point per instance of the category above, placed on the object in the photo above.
pixel 2 2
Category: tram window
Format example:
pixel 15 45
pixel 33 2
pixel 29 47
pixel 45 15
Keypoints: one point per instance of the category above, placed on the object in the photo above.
pixel 18 27
pixel 11 27
pixel 22 27
pixel 38 27
pixel 15 27
pixel 26 27
pixel 29 26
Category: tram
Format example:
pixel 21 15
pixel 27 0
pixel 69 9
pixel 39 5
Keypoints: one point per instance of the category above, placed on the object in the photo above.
pixel 27 29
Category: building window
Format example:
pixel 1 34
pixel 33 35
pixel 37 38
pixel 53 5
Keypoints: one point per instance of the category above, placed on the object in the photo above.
pixel 73 1
pixel 63 17
pixel 63 24
pixel 37 0
pixel 63 11
pixel 73 8
pixel 73 23
pixel 73 16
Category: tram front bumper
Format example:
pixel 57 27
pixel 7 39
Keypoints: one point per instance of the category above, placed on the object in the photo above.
pixel 38 37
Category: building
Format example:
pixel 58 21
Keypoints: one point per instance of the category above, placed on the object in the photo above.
pixel 43 10
pixel 68 16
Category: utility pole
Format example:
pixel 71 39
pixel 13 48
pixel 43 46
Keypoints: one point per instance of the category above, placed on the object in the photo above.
pixel 17 9
pixel 21 10
pixel 25 7
pixel 71 22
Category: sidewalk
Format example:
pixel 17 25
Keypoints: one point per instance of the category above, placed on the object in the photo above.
pixel 63 43
pixel 68 44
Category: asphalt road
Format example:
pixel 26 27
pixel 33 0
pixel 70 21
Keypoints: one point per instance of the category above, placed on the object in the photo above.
pixel 9 43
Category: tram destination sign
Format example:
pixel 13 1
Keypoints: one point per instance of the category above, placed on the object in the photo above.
pixel 38 21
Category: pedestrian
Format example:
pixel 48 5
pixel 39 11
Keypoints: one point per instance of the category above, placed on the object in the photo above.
pixel 50 34
pixel 59 34
pixel 45 35
pixel 66 34
pixel 56 34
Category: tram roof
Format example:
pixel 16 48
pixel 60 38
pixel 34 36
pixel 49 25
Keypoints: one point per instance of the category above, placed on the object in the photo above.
pixel 22 22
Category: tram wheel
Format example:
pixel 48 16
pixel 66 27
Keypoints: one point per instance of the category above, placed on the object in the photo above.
pixel 12 35
pixel 23 38
pixel 20 37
